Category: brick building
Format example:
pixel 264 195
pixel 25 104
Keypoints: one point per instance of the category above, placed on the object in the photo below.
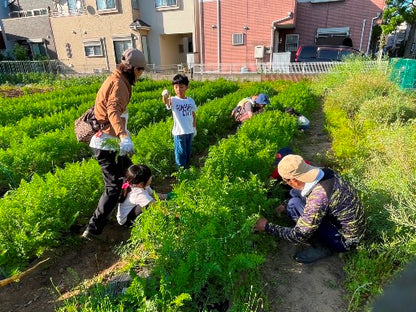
pixel 258 31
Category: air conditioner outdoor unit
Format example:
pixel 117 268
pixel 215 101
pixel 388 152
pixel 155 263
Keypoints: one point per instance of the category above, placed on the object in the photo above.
pixel 259 51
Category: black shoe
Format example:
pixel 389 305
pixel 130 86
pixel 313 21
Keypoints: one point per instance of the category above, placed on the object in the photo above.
pixel 90 236
pixel 312 254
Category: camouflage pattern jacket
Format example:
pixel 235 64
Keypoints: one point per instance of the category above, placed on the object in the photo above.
pixel 332 198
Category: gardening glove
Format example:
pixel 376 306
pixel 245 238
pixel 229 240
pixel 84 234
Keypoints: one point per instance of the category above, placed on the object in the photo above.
pixel 194 131
pixel 126 146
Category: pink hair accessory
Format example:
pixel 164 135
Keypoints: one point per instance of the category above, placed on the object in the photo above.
pixel 125 185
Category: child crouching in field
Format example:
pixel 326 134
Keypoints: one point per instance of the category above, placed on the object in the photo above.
pixel 303 122
pixel 136 194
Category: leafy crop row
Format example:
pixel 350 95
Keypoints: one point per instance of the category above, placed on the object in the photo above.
pixel 34 216
pixel 39 105
pixel 25 152
pixel 39 155
pixel 32 158
pixel 33 126
pixel 200 245
pixel 45 207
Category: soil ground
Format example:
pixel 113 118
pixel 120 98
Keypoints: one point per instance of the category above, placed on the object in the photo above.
pixel 68 265
pixel 290 286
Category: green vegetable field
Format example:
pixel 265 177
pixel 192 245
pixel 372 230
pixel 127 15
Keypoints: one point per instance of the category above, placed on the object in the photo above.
pixel 199 248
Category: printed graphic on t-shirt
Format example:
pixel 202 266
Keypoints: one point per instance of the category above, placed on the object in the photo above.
pixel 184 109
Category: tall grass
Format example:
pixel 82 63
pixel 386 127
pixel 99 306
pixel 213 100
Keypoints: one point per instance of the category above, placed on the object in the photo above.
pixel 372 124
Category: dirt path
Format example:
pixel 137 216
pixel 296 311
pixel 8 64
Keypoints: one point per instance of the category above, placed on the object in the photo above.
pixel 293 286
pixel 68 266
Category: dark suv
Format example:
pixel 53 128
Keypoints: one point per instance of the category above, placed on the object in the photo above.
pixel 312 53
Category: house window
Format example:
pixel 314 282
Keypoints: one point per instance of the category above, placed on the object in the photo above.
pixel 135 4
pixel 38 49
pixel 75 6
pixel 292 42
pixel 93 48
pixel 238 39
pixel 106 5
pixel 165 3
pixel 145 47
pixel 120 46
pixel 72 5
pixel 38 12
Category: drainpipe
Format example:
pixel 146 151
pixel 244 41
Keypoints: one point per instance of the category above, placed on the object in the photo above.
pixel 201 40
pixel 104 44
pixel 288 17
pixel 362 33
pixel 219 35
pixel 371 31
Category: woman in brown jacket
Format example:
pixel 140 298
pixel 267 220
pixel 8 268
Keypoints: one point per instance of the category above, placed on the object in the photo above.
pixel 111 110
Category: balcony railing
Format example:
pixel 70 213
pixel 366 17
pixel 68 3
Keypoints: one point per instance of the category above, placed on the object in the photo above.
pixel 68 12
pixel 29 13
pixel 65 10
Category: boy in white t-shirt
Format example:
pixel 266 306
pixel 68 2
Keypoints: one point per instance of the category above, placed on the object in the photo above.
pixel 136 194
pixel 184 119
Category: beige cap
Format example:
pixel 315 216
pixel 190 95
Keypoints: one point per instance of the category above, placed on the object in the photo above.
pixel 133 58
pixel 294 167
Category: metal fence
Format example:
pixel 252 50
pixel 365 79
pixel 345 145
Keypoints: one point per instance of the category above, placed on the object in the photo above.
pixel 279 68
pixel 304 68
pixel 14 67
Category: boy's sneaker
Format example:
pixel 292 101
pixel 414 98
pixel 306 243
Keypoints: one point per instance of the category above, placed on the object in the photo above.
pixel 312 254
pixel 90 236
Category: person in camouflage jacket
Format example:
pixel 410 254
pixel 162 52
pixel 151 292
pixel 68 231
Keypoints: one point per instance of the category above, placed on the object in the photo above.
pixel 325 207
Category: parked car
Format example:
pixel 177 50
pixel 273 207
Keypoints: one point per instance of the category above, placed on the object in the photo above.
pixel 313 53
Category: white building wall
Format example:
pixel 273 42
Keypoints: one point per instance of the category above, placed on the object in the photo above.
pixel 175 21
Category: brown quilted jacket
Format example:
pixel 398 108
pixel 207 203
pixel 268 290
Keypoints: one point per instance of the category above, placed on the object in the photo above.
pixel 111 101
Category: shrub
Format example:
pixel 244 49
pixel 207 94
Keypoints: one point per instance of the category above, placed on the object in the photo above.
pixel 385 110
pixel 20 53
pixel 372 126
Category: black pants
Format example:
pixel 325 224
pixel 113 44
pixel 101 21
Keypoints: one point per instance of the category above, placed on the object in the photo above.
pixel 113 169
pixel 134 213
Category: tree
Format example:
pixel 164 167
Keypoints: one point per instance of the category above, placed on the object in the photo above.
pixel 397 12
